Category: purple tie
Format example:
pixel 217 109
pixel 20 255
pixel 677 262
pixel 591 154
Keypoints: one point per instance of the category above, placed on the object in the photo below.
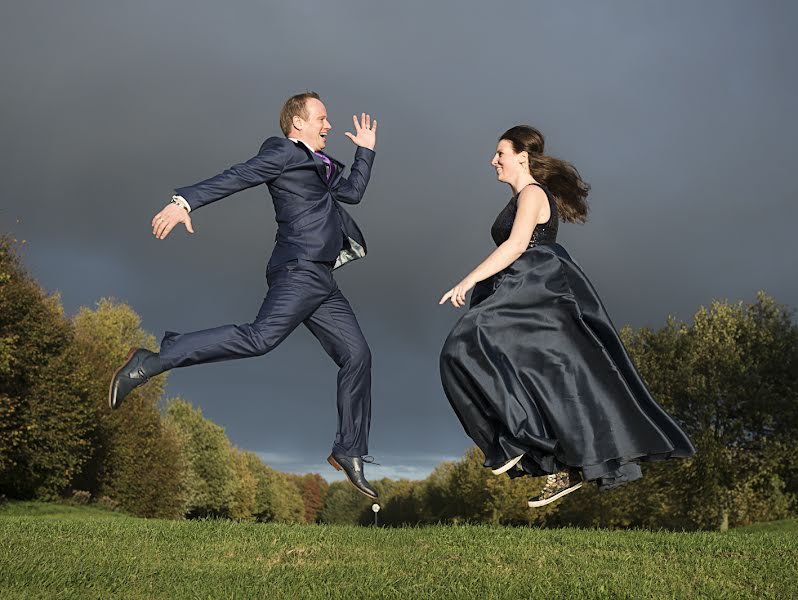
pixel 327 163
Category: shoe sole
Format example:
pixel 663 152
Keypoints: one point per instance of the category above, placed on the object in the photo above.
pixel 111 395
pixel 338 467
pixel 507 466
pixel 565 492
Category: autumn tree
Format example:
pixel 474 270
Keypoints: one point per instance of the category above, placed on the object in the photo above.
pixel 211 478
pixel 313 488
pixel 45 408
pixel 276 497
pixel 731 379
pixel 137 460
pixel 244 492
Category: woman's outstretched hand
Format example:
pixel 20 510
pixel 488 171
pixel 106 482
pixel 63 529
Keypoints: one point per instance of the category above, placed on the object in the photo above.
pixel 458 293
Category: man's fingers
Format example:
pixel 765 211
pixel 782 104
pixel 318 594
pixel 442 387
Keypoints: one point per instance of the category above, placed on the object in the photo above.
pixel 445 297
pixel 349 135
pixel 188 225
pixel 357 125
pixel 368 121
pixel 165 227
pixel 166 230
pixel 374 126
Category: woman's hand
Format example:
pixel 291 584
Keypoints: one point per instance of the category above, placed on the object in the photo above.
pixel 458 293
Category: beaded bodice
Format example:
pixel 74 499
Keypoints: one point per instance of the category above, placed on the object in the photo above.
pixel 544 233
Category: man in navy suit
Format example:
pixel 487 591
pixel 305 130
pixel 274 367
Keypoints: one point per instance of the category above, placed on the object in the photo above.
pixel 315 235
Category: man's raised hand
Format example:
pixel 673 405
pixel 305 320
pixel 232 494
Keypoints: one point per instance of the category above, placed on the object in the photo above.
pixel 365 131
pixel 165 221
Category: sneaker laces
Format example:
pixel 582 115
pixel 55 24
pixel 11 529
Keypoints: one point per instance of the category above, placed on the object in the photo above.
pixel 555 483
pixel 369 459
pixel 550 485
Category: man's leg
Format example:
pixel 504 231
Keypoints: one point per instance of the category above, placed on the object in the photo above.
pixel 334 324
pixel 295 290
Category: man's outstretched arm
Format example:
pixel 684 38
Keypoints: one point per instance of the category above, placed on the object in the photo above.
pixel 262 168
pixel 351 189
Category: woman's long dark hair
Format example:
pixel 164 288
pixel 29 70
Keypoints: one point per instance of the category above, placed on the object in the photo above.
pixel 560 177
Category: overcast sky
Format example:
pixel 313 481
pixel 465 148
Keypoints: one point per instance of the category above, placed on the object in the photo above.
pixel 680 114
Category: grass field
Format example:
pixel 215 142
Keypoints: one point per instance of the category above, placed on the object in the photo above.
pixel 56 551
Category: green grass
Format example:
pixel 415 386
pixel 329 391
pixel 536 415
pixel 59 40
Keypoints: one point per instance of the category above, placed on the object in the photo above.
pixel 57 511
pixel 786 526
pixel 74 555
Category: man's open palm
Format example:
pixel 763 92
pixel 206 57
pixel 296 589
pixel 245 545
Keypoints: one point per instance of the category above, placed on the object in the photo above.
pixel 365 131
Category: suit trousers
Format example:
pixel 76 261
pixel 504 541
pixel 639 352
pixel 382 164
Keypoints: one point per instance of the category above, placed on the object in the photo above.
pixel 300 291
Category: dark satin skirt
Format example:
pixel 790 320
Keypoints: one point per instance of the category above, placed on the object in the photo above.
pixel 536 367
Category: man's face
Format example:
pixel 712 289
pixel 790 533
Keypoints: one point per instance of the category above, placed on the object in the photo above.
pixel 313 130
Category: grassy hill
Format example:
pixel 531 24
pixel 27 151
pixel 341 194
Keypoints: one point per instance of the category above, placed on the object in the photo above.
pixel 55 551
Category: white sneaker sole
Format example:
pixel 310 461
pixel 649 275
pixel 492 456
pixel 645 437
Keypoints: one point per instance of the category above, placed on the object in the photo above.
pixel 565 492
pixel 507 466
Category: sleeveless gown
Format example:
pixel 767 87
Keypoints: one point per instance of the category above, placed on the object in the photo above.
pixel 536 367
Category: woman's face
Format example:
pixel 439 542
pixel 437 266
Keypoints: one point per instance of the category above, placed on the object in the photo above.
pixel 507 163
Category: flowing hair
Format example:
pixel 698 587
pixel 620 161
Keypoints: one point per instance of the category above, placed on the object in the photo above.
pixel 560 177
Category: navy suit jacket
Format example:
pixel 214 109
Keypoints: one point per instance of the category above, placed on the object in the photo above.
pixel 311 223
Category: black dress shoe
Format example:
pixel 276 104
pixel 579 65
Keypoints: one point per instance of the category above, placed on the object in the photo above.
pixel 137 369
pixel 352 466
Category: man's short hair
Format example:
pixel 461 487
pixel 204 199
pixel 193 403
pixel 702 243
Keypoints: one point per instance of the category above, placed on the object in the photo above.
pixel 295 106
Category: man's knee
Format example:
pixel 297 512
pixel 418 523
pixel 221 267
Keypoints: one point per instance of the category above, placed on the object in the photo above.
pixel 360 356
pixel 263 339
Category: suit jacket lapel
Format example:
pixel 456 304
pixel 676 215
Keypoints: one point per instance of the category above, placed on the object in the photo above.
pixel 339 170
pixel 320 166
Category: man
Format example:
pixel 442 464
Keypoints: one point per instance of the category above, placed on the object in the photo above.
pixel 315 235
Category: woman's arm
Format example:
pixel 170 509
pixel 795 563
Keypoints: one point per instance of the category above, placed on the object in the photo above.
pixel 532 205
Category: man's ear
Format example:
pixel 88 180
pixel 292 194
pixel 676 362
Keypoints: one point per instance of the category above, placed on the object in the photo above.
pixel 297 122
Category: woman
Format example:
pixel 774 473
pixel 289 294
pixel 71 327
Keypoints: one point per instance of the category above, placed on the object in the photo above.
pixel 535 370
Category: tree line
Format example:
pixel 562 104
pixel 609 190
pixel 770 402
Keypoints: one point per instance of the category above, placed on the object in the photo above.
pixel 730 378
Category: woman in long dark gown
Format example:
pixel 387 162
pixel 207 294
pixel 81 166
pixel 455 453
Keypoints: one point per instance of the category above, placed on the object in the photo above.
pixel 535 370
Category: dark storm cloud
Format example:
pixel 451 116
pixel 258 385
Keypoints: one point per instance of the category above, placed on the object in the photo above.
pixel 679 114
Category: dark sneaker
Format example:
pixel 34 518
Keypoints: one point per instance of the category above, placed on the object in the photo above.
pixel 507 466
pixel 557 485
